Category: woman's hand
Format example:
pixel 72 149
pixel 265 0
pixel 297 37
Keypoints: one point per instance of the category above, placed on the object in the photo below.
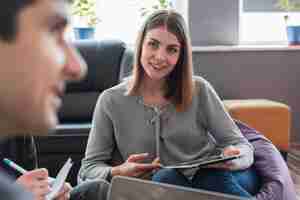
pixel 133 166
pixel 227 151
pixel 231 151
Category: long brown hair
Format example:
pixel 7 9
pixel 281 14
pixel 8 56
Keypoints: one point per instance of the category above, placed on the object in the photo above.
pixel 179 84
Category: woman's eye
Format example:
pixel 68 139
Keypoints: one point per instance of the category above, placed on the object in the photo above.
pixel 173 50
pixel 153 44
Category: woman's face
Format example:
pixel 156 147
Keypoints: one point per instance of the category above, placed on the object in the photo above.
pixel 160 53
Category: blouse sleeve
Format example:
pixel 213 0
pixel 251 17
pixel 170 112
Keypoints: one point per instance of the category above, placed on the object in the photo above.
pixel 222 127
pixel 100 143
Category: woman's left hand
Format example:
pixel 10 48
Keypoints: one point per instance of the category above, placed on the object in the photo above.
pixel 230 151
pixel 227 151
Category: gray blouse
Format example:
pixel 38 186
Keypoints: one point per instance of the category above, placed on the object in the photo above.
pixel 124 125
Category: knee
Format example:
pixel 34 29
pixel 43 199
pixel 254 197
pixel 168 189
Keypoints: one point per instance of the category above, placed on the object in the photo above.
pixel 212 177
pixel 164 175
pixel 91 190
pixel 221 174
pixel 99 189
pixel 220 181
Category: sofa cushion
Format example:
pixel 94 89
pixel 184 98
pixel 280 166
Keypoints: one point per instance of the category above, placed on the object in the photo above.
pixel 126 64
pixel 103 59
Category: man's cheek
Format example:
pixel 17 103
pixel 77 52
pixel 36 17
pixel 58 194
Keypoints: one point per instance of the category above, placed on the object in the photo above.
pixel 60 57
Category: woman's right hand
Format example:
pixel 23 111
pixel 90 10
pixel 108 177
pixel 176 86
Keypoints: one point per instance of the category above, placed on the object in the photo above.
pixel 133 167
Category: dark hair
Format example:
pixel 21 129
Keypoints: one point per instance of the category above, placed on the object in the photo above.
pixel 179 85
pixel 9 11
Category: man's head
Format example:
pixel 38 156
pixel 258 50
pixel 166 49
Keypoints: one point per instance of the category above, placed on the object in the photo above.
pixel 35 63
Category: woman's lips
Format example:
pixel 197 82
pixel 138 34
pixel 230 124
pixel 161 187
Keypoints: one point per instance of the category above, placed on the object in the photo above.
pixel 156 67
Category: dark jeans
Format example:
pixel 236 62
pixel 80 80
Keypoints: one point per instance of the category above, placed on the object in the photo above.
pixel 90 190
pixel 243 183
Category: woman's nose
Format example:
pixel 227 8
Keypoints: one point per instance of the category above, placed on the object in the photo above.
pixel 161 55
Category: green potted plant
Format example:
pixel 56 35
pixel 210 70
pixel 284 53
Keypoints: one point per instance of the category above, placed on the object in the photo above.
pixel 293 30
pixel 159 4
pixel 85 18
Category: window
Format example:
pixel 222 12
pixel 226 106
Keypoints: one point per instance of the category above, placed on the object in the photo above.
pixel 122 18
pixel 262 22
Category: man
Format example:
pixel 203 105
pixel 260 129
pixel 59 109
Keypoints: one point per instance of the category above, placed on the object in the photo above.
pixel 35 63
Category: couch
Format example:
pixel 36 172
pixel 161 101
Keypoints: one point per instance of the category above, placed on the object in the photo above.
pixel 109 61
pixel 106 62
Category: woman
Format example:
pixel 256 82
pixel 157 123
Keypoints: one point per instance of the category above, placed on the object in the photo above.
pixel 164 115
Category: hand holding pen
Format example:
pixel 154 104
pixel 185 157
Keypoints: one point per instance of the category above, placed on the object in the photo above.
pixel 39 183
pixel 36 182
pixel 20 169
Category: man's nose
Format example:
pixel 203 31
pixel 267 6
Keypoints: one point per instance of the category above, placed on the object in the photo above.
pixel 75 67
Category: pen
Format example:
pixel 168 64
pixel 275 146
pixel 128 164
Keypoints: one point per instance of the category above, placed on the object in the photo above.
pixel 21 169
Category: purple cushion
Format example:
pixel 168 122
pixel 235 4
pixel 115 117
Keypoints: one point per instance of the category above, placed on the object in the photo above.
pixel 277 183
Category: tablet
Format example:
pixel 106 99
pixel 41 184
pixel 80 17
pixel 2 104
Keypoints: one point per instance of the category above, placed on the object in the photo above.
pixel 202 162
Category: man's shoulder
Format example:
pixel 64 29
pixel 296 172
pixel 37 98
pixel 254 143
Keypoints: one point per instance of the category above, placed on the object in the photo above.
pixel 11 191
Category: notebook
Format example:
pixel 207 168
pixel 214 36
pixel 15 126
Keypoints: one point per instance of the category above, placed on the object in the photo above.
pixel 59 181
pixel 126 188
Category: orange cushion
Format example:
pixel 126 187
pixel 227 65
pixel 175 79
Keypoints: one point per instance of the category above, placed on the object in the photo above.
pixel 271 118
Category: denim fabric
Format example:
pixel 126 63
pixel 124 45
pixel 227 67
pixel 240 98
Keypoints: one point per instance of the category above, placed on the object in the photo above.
pixel 244 183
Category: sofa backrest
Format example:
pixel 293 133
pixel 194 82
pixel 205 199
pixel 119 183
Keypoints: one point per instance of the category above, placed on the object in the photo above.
pixel 104 60
pixel 126 65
